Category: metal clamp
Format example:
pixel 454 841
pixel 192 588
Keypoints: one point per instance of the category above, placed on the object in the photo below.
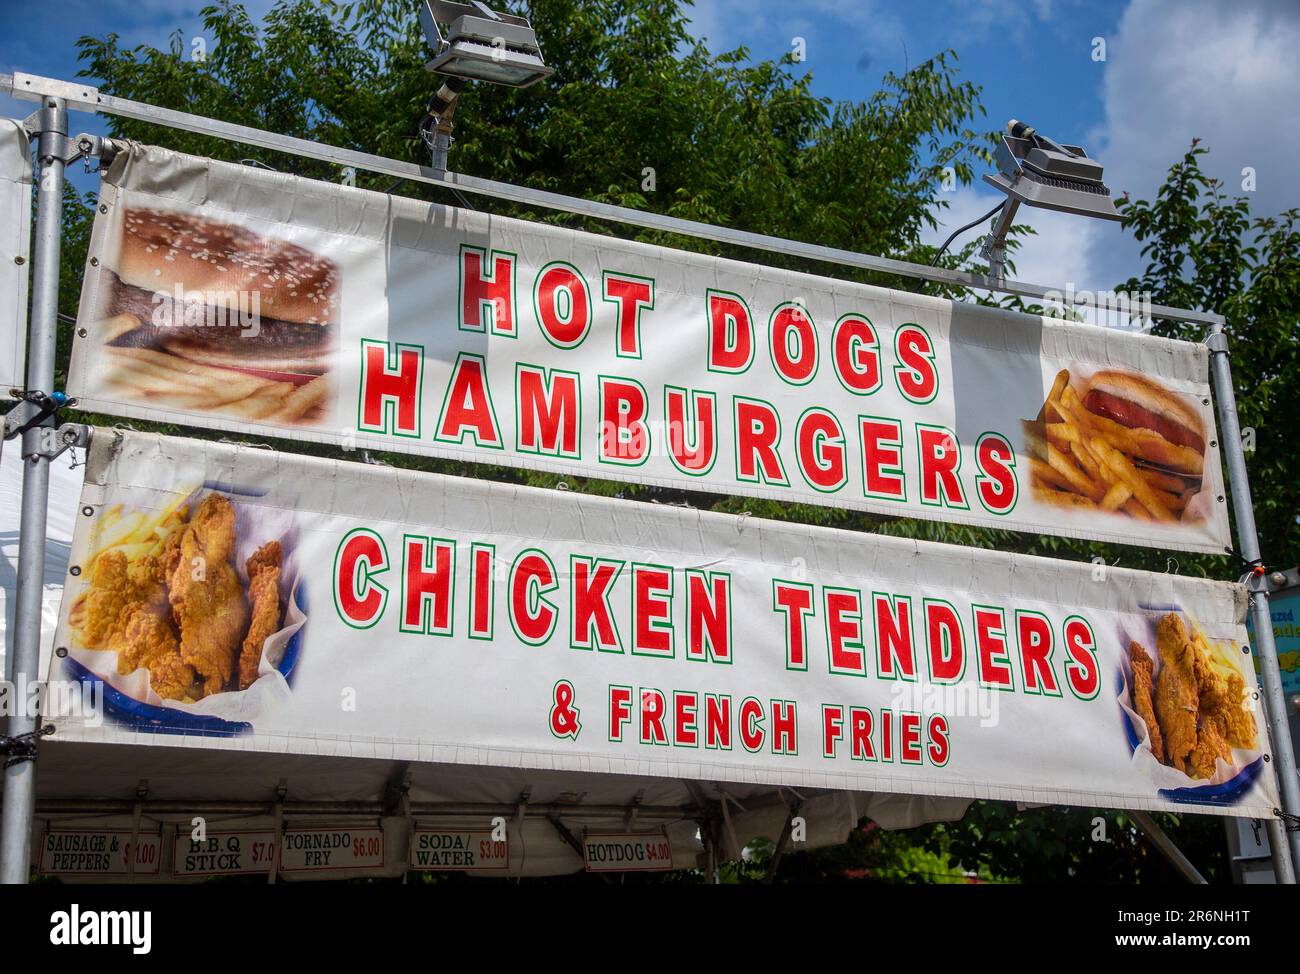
pixel 23 747
pixel 35 408
pixel 1217 343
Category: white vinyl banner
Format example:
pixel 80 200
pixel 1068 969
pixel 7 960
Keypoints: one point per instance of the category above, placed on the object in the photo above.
pixel 15 238
pixel 230 597
pixel 231 297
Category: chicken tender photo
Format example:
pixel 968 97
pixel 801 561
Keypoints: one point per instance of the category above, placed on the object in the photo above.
pixel 206 596
pixel 164 594
pixel 1196 709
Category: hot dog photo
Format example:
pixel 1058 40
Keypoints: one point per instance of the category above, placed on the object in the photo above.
pixel 1121 443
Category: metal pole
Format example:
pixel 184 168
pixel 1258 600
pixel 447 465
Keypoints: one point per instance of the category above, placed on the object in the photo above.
pixel 20 777
pixel 1167 847
pixel 1285 843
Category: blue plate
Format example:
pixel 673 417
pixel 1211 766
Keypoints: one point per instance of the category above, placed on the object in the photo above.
pixel 1227 793
pixel 151 719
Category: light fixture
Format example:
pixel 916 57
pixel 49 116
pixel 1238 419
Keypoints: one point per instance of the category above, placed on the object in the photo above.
pixel 1037 171
pixel 481 44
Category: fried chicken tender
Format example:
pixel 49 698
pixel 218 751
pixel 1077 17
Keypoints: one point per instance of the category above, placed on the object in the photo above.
pixel 1210 745
pixel 117 589
pixel 263 568
pixel 206 597
pixel 1142 696
pixel 1223 698
pixel 150 642
pixel 1177 691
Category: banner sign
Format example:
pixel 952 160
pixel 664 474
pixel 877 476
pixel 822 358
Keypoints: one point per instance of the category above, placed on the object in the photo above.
pixel 15 243
pixel 91 853
pixel 464 850
pixel 623 852
pixel 320 849
pixel 248 599
pixel 230 297
pixel 223 854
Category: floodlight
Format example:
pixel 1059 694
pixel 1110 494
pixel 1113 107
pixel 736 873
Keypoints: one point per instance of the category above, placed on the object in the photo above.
pixel 1037 171
pixel 481 44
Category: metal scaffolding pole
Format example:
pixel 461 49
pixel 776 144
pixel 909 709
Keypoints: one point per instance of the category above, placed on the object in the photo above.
pixel 20 775
pixel 1285 843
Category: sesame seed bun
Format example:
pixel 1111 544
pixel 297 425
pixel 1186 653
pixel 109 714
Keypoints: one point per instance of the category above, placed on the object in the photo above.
pixel 162 249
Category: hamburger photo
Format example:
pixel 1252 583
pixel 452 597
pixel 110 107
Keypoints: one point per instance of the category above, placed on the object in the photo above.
pixel 211 316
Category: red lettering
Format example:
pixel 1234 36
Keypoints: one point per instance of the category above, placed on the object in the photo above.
pixel 731 333
pixel 620 711
pixel 819 449
pixel 359 598
pixel 894 636
pixel 1034 639
pixel 481 590
pixel 794 601
pixel 685 705
pixel 652 598
pixel 390 388
pixel 945 642
pixel 1081 670
pixel 468 406
pixel 693 454
pixel 860 748
pixel 832 728
pixel 785 736
pixel 653 710
pixel 717 721
pixel 751 724
pixel 856 351
pixel 792 321
pixel 630 294
pixel 882 458
pixel 916 375
pixel 428 585
pixel 991 648
pixel 758 433
pixel 549 409
pixel 708 616
pixel 624 436
pixel 563 304
pixel 592 619
pixel 844 631
pixel 531 577
pixel 995 485
pixel 487 296
pixel 940 461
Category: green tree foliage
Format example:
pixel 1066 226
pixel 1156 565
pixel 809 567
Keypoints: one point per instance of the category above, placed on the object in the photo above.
pixel 1205 250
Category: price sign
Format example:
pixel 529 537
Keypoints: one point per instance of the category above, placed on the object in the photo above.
pixel 620 852
pixel 316 849
pixel 223 854
pixel 439 850
pixel 86 853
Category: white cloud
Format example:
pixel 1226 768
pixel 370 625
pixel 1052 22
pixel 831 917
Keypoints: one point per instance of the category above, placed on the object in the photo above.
pixel 1226 73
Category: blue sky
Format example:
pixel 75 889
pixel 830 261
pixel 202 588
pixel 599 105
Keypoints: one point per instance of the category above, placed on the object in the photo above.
pixel 1172 70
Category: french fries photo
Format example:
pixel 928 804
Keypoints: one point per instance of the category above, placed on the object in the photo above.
pixel 1118 443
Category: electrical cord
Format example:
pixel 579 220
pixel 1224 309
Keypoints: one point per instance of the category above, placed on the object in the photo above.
pixel 960 230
